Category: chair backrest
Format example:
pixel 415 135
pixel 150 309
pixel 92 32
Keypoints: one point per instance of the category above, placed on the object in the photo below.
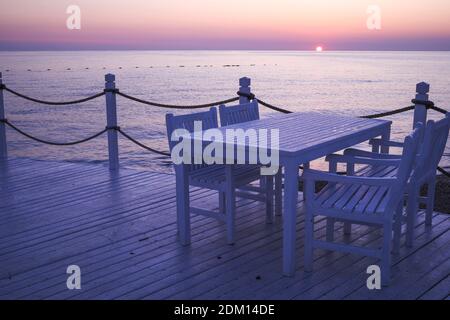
pixel 433 147
pixel 207 118
pixel 409 155
pixel 240 113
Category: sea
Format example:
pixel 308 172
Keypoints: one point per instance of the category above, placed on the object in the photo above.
pixel 347 83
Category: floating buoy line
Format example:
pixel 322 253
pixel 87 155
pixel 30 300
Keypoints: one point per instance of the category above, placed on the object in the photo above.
pixel 149 67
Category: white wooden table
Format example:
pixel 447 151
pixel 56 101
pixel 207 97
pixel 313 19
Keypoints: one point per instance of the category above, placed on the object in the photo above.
pixel 305 137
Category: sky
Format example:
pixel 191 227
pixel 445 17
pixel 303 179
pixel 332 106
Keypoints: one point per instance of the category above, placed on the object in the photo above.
pixel 225 24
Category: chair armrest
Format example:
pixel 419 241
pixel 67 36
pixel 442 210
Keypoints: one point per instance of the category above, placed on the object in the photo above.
pixel 386 143
pixel 337 158
pixel 368 154
pixel 314 175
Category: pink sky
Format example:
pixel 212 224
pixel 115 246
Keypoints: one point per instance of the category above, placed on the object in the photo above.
pixel 226 24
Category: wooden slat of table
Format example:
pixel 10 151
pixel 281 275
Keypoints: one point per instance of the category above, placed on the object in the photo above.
pixel 300 132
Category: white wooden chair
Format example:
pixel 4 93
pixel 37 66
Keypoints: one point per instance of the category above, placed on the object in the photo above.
pixel 239 113
pixel 245 112
pixel 430 153
pixel 223 178
pixel 361 200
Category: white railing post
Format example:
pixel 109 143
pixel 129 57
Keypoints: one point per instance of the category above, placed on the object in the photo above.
pixel 244 87
pixel 420 110
pixel 111 121
pixel 3 147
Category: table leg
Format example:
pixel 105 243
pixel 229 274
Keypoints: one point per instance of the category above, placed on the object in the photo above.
pixel 269 199
pixel 279 192
pixel 290 217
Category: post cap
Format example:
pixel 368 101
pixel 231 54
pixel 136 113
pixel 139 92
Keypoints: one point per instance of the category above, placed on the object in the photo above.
pixel 110 77
pixel 422 88
pixel 244 82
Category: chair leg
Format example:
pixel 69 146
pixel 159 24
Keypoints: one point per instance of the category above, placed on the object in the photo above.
pixel 230 204
pixel 279 192
pixel 411 214
pixel 330 229
pixel 386 255
pixel 309 238
pixel 398 228
pixel 183 212
pixel 347 228
pixel 309 228
pixel 262 182
pixel 222 202
pixel 430 201
pixel 306 166
pixel 269 199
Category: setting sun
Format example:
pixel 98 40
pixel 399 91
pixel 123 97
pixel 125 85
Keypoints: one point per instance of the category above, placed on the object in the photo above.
pixel 319 49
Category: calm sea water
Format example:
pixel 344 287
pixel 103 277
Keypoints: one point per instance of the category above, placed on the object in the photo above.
pixel 348 83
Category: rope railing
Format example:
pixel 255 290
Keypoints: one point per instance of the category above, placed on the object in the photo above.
pixel 250 96
pixel 52 143
pixel 116 128
pixel 388 113
pixel 268 105
pixel 443 171
pixel 116 91
pixel 52 103
pixel 438 109
pixel 429 106
pixel 140 144
pixel 170 106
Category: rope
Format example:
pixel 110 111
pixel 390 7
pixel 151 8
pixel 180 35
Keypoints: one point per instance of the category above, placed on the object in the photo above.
pixel 445 173
pixel 251 96
pixel 372 116
pixel 117 128
pixel 438 109
pixel 52 103
pixel 426 103
pixel 267 105
pixel 5 121
pixel 142 145
pixel 389 113
pixel 169 106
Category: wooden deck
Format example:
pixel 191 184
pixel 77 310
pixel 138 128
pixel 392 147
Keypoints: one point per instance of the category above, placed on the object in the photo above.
pixel 120 229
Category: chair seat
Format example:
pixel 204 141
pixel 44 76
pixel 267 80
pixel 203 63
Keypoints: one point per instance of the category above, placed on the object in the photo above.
pixel 213 177
pixel 355 202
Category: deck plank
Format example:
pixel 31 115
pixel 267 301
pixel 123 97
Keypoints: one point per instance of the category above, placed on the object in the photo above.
pixel 439 291
pixel 121 229
pixel 341 288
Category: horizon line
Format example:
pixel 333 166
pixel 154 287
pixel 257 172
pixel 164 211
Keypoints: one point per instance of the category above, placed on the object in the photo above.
pixel 252 50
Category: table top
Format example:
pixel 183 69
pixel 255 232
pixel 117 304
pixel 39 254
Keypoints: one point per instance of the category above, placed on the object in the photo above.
pixel 303 132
